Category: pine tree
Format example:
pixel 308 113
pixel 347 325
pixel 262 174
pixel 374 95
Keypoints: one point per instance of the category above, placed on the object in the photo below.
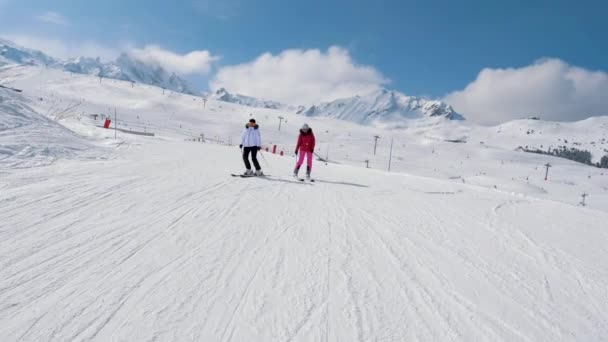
pixel 604 162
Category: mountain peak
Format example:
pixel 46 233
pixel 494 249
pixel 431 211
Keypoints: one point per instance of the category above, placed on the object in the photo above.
pixel 222 94
pixel 13 53
pixel 126 67
pixel 383 106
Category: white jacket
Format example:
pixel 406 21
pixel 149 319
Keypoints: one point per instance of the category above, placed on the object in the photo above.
pixel 251 137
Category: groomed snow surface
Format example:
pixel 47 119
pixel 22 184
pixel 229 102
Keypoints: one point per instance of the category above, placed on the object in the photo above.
pixel 151 239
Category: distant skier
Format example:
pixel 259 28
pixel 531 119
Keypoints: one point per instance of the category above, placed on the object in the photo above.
pixel 305 147
pixel 251 142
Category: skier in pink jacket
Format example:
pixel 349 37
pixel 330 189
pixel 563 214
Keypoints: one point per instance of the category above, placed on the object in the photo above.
pixel 305 147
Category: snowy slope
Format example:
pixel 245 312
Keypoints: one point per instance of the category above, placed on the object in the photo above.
pixel 161 244
pixel 590 134
pixel 487 158
pixel 29 139
pixel 459 242
pixel 383 106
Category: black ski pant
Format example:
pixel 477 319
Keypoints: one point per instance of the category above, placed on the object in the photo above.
pixel 254 157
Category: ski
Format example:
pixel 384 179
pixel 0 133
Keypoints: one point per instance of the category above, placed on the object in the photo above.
pixel 247 176
pixel 242 176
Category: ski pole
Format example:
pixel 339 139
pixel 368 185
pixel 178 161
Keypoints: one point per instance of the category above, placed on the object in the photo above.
pixel 264 158
pixel 320 158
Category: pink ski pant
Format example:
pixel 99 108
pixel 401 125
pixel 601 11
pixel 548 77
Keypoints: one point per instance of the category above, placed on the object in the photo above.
pixel 301 155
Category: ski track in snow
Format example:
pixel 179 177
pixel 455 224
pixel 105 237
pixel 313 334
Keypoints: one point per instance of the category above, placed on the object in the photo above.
pixel 156 246
pixel 150 239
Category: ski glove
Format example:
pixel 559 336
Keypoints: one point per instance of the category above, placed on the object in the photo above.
pixel 241 146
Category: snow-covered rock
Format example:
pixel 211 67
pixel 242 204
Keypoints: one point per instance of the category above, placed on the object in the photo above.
pixel 13 54
pixel 125 67
pixel 223 95
pixel 128 68
pixel 383 106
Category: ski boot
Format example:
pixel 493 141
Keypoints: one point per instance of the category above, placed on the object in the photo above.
pixel 259 173
pixel 295 172
pixel 248 172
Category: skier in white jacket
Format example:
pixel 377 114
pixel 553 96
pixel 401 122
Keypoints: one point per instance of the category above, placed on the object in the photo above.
pixel 251 142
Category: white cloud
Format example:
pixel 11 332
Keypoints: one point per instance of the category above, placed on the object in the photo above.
pixel 195 62
pixel 62 49
pixel 549 88
pixel 53 18
pixel 300 76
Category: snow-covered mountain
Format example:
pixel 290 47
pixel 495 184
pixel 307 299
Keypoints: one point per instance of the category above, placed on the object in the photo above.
pixel 128 68
pixel 223 95
pixel 125 67
pixel 383 106
pixel 11 53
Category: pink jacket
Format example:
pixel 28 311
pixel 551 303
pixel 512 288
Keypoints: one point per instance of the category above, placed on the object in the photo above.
pixel 306 141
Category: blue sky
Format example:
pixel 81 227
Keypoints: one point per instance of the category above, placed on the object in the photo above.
pixel 429 47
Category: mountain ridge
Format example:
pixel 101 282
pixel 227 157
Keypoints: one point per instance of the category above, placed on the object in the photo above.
pixel 125 67
pixel 382 106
